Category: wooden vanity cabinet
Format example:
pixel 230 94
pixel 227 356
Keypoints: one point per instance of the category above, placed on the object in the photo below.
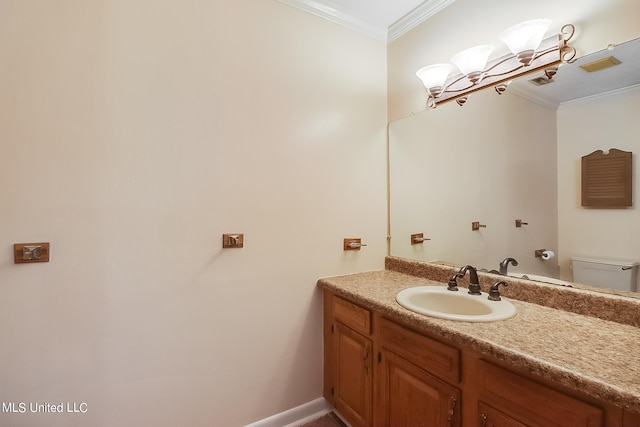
pixel 381 373
pixel 348 360
pixel 413 373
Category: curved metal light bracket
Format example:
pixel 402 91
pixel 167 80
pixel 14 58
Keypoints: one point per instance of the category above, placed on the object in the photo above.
pixel 552 51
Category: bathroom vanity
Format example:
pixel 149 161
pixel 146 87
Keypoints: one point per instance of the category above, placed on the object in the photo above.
pixel 547 366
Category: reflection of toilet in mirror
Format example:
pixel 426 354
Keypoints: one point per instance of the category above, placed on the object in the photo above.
pixel 609 273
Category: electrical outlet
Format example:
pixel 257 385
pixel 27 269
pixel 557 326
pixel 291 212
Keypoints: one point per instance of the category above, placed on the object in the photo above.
pixel 30 252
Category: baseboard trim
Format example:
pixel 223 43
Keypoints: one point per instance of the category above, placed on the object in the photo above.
pixel 296 416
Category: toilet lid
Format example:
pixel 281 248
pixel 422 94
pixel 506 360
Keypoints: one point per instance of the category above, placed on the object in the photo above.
pixel 607 261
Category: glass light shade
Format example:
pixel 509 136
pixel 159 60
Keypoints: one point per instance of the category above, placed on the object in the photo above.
pixel 473 59
pixel 525 36
pixel 434 76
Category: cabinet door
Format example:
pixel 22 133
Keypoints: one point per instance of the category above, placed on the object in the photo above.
pixel 353 386
pixel 491 417
pixel 411 397
pixel 531 403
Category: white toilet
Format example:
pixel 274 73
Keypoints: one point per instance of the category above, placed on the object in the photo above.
pixel 608 273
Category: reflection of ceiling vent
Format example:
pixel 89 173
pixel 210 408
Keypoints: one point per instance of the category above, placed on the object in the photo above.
pixel 600 64
pixel 541 81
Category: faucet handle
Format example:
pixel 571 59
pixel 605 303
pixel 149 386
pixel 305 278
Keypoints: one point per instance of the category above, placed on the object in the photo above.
pixel 494 291
pixel 453 285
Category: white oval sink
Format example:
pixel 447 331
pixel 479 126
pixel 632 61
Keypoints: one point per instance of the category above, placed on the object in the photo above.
pixel 437 301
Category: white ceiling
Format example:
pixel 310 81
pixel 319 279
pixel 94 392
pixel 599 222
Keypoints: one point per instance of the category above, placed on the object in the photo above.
pixel 572 83
pixel 384 20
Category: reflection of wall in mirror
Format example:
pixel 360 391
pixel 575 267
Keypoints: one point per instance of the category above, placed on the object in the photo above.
pixel 491 161
pixel 447 169
pixel 608 121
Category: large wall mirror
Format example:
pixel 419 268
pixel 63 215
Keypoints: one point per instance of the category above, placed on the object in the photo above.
pixel 517 156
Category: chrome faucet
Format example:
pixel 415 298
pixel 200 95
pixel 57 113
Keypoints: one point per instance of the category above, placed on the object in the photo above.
pixel 505 263
pixel 474 285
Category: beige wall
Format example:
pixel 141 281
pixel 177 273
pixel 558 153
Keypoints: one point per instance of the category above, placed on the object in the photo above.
pixel 133 134
pixel 584 127
pixel 467 23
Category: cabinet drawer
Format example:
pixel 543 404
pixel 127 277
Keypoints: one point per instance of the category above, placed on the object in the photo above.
pixel 532 403
pixel 352 315
pixel 433 356
pixel 491 417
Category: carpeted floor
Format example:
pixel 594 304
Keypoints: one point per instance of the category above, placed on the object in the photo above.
pixel 329 420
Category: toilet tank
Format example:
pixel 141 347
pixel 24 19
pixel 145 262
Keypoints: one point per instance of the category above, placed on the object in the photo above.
pixel 605 272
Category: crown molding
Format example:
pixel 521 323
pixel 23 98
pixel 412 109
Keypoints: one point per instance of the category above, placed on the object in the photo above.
pixel 397 29
pixel 338 17
pixel 612 92
pixel 416 17
pixel 531 95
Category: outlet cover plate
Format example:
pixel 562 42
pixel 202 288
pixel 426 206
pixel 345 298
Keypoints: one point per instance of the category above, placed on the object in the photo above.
pixel 30 252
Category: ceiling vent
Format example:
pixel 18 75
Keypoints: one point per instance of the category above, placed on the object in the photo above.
pixel 600 64
pixel 541 81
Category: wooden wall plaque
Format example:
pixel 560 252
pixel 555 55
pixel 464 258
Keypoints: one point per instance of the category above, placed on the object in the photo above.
pixel 607 179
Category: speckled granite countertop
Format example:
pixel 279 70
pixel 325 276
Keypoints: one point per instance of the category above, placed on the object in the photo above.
pixel 585 353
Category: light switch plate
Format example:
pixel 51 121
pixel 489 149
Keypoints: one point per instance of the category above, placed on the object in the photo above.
pixel 30 252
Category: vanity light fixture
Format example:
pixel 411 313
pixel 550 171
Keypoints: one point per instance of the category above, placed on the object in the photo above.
pixel 523 39
pixel 529 53
pixel 434 77
pixel 472 61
